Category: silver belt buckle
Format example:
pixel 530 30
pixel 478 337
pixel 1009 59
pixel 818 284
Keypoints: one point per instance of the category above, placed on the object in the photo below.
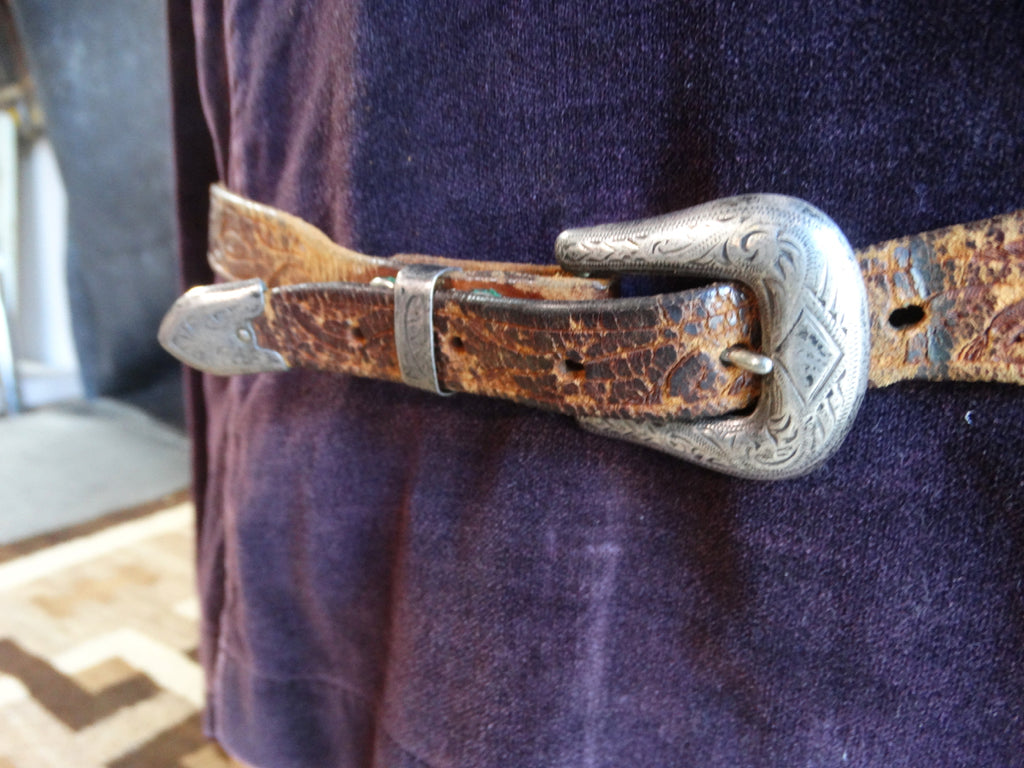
pixel 814 326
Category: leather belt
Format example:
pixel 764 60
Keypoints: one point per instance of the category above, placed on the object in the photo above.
pixel 787 335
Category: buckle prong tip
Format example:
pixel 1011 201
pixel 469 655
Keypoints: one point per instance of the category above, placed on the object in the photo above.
pixel 748 360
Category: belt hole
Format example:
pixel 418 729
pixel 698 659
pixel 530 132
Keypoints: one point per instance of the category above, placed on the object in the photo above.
pixel 906 317
pixel 356 331
pixel 574 367
pixel 458 344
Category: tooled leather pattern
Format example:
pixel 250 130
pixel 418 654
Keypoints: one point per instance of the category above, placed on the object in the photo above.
pixel 658 359
pixel 958 298
pixel 967 282
pixel 248 239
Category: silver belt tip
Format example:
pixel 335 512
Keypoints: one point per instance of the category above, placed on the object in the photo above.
pixel 210 328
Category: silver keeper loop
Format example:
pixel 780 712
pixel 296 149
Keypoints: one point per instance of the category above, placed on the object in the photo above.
pixel 414 325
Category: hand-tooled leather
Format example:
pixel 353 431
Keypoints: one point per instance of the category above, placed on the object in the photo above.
pixel 947 304
pixel 248 239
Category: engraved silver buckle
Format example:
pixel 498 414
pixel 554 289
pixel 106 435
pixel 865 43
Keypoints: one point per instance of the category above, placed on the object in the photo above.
pixel 814 326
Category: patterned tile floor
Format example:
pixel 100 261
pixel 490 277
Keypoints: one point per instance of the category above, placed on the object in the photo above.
pixel 98 633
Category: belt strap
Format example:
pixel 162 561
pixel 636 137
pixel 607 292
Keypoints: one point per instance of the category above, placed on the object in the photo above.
pixel 948 305
pixel 536 335
pixel 943 305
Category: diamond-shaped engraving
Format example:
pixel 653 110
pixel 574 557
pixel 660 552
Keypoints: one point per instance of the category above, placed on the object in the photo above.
pixel 810 354
pixel 798 263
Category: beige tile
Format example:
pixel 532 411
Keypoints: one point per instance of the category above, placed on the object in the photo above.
pixel 104 675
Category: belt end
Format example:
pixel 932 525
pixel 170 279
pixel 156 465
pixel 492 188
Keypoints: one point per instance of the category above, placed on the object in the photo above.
pixel 210 328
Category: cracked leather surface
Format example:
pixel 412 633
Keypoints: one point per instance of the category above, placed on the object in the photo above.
pixel 651 357
pixel 959 297
pixel 944 305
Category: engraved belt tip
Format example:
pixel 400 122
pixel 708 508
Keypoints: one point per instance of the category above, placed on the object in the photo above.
pixel 210 328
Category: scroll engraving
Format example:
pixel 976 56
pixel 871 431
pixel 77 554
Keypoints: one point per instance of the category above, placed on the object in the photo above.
pixel 813 315
pixel 210 328
pixel 414 325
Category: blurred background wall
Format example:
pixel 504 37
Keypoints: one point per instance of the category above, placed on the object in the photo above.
pixel 95 265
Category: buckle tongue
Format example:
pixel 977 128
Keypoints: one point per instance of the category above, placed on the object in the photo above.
pixel 814 325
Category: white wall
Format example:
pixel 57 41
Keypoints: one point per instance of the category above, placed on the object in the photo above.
pixel 41 319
